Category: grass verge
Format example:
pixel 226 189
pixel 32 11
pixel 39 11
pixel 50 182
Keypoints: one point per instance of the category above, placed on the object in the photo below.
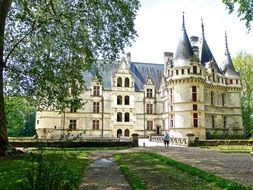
pixel 230 148
pixel 145 170
pixel 14 171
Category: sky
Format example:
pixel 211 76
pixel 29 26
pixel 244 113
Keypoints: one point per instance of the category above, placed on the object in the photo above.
pixel 159 24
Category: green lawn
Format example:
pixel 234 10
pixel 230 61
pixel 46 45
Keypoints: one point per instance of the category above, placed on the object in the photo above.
pixel 146 170
pixel 230 148
pixel 13 171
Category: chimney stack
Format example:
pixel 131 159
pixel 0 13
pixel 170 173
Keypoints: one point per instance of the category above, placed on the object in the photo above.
pixel 128 57
pixel 168 56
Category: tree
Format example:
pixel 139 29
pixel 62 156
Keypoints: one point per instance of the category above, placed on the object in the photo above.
pixel 243 63
pixel 245 9
pixel 45 46
pixel 20 116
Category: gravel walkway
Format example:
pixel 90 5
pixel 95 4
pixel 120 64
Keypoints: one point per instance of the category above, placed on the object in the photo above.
pixel 103 173
pixel 233 166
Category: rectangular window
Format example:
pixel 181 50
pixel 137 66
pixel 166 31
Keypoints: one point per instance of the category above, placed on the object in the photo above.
pixel 213 75
pixel 176 72
pixel 96 90
pixel 171 73
pixel 73 110
pixel 194 106
pixel 171 108
pixel 171 121
pixel 231 81
pixel 195 119
pixel 149 125
pixel 38 121
pixel 236 81
pixel 182 71
pixel 224 121
pixel 223 99
pixel 194 69
pixel 95 124
pixel 149 108
pixel 72 124
pixel 171 95
pixel 95 107
pixel 189 71
pixel 213 122
pixel 149 93
pixel 212 98
pixel 194 93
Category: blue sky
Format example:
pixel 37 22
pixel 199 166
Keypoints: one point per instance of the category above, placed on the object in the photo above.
pixel 159 25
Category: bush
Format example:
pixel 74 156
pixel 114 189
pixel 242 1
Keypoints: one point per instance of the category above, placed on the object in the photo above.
pixel 48 174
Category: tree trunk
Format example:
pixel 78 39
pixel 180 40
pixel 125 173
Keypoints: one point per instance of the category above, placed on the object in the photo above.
pixel 4 143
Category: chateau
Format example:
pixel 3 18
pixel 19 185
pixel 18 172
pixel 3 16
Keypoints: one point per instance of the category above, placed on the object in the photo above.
pixel 190 93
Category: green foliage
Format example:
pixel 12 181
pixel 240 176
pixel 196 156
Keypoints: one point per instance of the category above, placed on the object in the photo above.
pixel 245 9
pixel 33 170
pixel 59 41
pixel 20 116
pixel 243 64
pixel 162 172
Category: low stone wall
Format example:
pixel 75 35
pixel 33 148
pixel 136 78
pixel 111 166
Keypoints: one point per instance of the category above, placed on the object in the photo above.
pixel 68 143
pixel 217 142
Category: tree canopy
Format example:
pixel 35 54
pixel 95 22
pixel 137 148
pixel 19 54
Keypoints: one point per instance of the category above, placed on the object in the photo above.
pixel 243 64
pixel 244 9
pixel 45 46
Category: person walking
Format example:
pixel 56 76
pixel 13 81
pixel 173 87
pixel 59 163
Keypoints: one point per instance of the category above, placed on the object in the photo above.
pixel 166 139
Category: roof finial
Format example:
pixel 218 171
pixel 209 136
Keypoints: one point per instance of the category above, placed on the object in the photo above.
pixel 203 30
pixel 183 26
pixel 226 42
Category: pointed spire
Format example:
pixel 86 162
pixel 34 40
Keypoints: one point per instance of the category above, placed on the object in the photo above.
pixel 203 30
pixel 183 26
pixel 226 43
pixel 184 49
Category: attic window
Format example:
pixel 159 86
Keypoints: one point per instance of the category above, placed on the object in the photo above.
pixel 176 72
pixel 127 81
pixel 231 81
pixel 119 82
pixel 149 93
pixel 182 71
pixel 194 69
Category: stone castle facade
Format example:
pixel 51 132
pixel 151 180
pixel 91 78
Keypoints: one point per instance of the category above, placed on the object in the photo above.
pixel 189 94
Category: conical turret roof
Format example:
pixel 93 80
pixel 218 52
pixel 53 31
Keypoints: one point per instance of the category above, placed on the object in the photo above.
pixel 184 50
pixel 205 54
pixel 227 66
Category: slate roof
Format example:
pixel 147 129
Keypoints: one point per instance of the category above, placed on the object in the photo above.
pixel 140 71
pixel 184 49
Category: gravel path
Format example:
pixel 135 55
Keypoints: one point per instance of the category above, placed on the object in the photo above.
pixel 103 173
pixel 233 166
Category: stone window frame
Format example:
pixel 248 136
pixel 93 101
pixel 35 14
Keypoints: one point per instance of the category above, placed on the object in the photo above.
pixel 119 117
pixel 95 124
pixel 72 124
pixel 127 100
pixel 119 82
pixel 149 108
pixel 119 100
pixel 194 93
pixel 195 120
pixel 96 106
pixel 127 82
pixel 150 125
pixel 149 93
pixel 96 90
pixel 127 117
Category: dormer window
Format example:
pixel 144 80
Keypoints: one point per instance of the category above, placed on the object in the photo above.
pixel 96 90
pixel 194 69
pixel 182 71
pixel 73 110
pixel 149 93
pixel 231 81
pixel 119 82
pixel 127 82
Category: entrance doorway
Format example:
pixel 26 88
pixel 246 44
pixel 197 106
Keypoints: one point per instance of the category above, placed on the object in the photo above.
pixel 119 133
pixel 158 129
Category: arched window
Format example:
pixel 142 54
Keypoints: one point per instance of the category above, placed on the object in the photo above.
pixel 119 133
pixel 127 82
pixel 127 117
pixel 119 117
pixel 126 134
pixel 119 100
pixel 119 82
pixel 127 100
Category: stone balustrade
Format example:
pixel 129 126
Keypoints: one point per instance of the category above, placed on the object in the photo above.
pixel 178 141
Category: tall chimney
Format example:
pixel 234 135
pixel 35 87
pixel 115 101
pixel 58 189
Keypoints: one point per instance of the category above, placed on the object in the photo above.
pixel 168 56
pixel 128 57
